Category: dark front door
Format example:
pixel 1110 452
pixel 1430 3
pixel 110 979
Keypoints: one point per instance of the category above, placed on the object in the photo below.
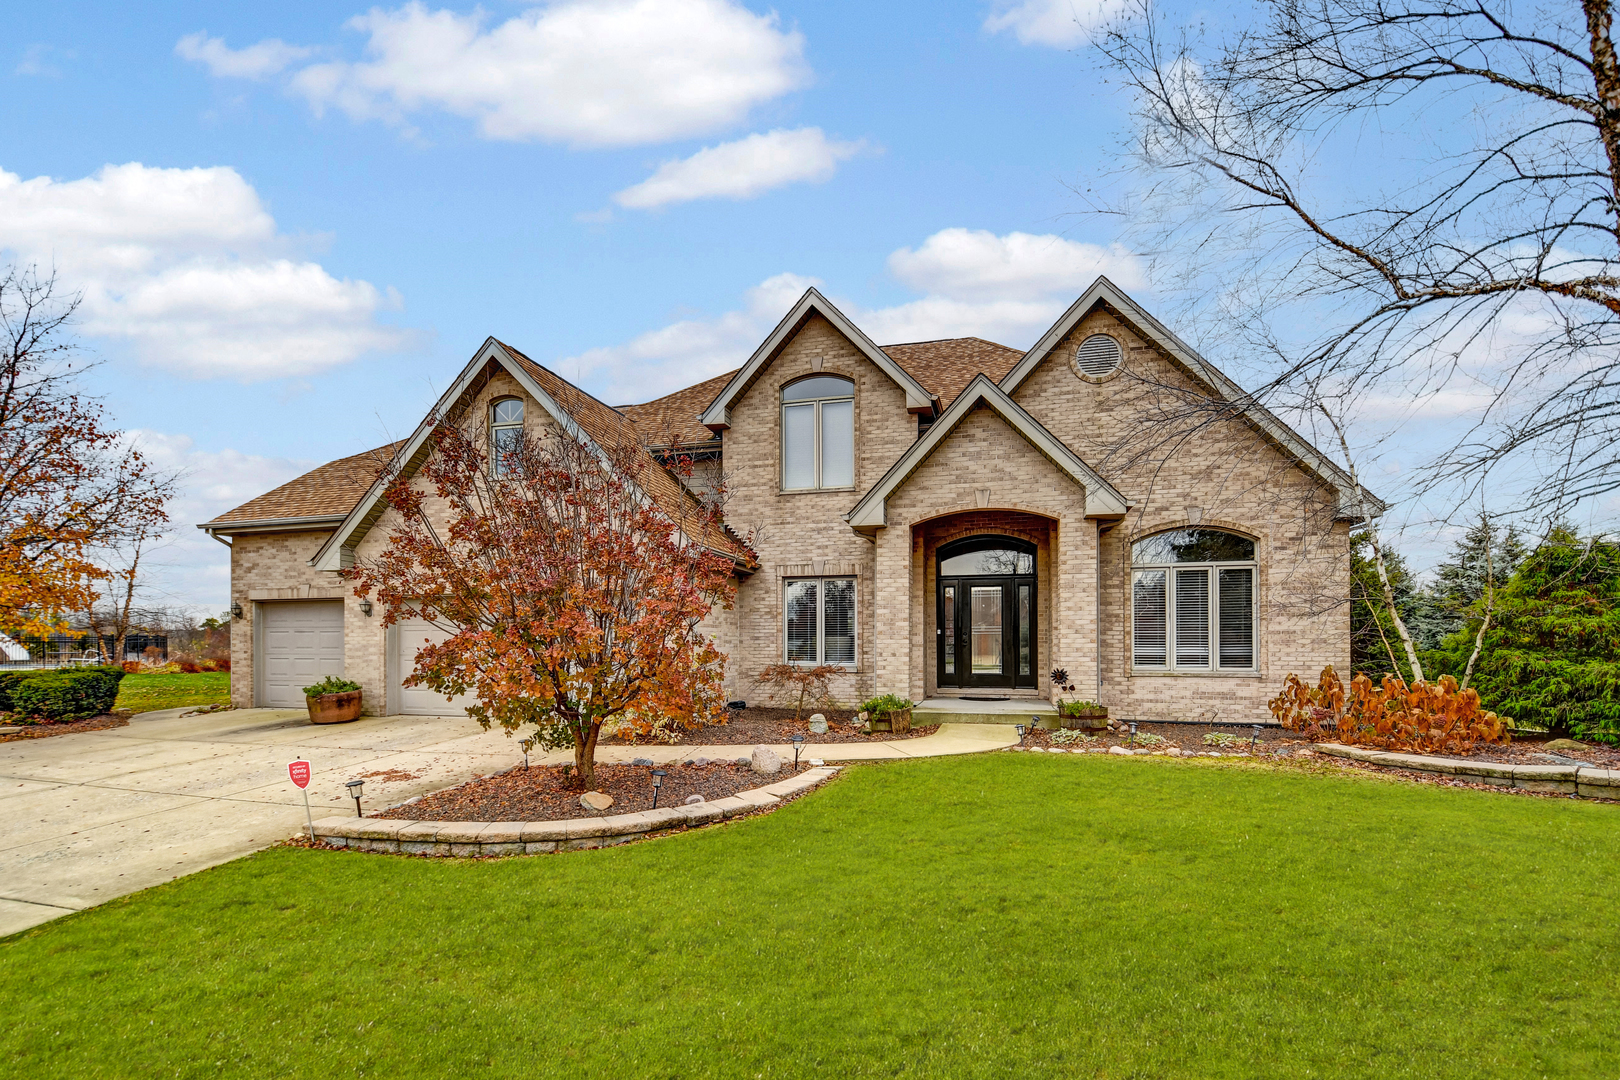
pixel 986 627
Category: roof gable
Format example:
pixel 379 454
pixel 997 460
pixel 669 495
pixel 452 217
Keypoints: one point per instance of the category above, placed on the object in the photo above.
pixel 718 415
pixel 1102 500
pixel 1103 291
pixel 321 496
pixel 576 413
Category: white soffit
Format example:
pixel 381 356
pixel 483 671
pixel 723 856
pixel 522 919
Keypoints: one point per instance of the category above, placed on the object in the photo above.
pixel 718 414
pixel 1102 499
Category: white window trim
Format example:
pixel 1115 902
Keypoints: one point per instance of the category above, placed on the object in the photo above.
pixel 1213 667
pixel 781 463
pixel 821 619
pixel 494 428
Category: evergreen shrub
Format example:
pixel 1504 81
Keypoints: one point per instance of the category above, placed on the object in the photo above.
pixel 66 694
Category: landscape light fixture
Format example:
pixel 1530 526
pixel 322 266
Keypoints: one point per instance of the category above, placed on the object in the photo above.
pixel 1133 732
pixel 1020 729
pixel 658 782
pixel 236 611
pixel 1255 738
pixel 365 608
pixel 798 744
pixel 355 787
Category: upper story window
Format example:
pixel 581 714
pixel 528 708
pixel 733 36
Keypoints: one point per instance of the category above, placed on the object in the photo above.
pixel 505 432
pixel 1192 602
pixel 818 433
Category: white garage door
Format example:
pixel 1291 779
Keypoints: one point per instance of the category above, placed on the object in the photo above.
pixel 301 643
pixel 412 635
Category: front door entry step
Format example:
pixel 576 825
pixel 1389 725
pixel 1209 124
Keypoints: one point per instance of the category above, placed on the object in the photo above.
pixel 942 710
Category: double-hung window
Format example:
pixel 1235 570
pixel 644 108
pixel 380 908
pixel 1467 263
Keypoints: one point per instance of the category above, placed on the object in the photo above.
pixel 1192 602
pixel 818 433
pixel 819 614
pixel 505 433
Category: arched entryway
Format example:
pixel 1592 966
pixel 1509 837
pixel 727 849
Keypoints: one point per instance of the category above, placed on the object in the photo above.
pixel 986 610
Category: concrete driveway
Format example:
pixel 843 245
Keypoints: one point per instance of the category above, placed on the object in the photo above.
pixel 87 817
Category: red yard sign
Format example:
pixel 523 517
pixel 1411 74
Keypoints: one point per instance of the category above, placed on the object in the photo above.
pixel 299 771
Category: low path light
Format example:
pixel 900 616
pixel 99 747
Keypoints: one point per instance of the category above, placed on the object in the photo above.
pixel 1255 738
pixel 355 787
pixel 1133 732
pixel 1021 729
pixel 798 744
pixel 658 783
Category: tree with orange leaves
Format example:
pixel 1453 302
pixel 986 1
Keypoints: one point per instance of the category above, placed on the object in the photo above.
pixel 70 488
pixel 572 598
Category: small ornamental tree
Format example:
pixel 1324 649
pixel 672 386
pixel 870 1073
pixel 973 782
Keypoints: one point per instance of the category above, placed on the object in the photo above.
pixel 572 598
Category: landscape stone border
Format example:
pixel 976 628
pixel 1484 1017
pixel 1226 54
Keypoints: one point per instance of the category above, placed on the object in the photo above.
pixel 1559 779
pixel 464 838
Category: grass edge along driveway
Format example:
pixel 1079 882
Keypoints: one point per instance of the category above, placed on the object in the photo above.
pixel 991 916
pixel 145 691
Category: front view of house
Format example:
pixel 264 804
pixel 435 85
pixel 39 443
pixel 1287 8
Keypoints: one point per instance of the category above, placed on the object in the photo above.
pixel 948 518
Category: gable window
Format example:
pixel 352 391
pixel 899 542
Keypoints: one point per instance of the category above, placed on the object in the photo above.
pixel 819 621
pixel 505 432
pixel 818 434
pixel 1192 602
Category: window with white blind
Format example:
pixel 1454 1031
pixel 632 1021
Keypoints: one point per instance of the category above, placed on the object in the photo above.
pixel 818 434
pixel 1192 602
pixel 819 618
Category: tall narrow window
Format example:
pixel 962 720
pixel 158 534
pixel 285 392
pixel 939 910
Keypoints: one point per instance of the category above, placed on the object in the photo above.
pixel 818 434
pixel 947 633
pixel 819 617
pixel 1192 601
pixel 505 433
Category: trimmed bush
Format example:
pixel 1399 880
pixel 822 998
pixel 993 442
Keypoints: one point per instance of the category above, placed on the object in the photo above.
pixel 71 694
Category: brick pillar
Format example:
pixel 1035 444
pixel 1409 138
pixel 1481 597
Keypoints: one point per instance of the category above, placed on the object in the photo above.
pixel 892 599
pixel 1074 602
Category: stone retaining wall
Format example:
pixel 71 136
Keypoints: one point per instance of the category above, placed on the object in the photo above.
pixel 1561 779
pixel 536 837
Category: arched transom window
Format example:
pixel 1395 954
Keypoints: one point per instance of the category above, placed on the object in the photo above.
pixel 1192 602
pixel 505 432
pixel 818 434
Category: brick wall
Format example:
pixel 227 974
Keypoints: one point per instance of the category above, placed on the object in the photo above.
pixel 266 567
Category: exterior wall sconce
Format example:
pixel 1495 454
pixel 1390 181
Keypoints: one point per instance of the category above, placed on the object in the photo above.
pixel 365 608
pixel 236 611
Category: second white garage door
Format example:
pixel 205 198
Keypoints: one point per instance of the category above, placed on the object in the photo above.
pixel 301 643
pixel 410 636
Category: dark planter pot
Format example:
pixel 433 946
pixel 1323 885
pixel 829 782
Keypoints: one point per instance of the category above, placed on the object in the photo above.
pixel 898 722
pixel 1086 720
pixel 334 708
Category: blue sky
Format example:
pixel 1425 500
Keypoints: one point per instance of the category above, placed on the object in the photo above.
pixel 293 223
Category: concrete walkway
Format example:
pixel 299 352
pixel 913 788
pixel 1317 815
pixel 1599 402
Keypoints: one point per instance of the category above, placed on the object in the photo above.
pixel 88 817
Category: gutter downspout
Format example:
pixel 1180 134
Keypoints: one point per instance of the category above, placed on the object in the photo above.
pixel 1097 613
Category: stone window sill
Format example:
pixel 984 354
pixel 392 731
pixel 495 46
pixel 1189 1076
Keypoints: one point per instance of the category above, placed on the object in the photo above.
pixel 1158 673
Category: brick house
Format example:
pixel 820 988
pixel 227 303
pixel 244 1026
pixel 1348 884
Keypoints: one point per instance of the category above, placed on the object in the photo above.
pixel 943 519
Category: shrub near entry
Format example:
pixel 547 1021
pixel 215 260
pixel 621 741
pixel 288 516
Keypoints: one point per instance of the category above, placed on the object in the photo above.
pixel 66 695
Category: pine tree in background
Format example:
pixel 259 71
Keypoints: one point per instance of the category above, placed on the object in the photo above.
pixel 1375 647
pixel 1486 553
pixel 1551 658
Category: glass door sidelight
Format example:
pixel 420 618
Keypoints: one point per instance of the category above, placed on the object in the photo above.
pixel 986 631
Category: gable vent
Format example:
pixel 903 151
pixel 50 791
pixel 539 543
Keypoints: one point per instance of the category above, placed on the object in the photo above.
pixel 1097 356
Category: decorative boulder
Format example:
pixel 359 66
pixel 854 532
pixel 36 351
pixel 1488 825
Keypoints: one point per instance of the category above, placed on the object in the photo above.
pixel 765 761
pixel 693 800
pixel 596 801
pixel 818 724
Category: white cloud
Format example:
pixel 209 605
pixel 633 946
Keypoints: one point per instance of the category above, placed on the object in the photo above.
pixel 190 569
pixel 685 352
pixel 38 61
pixel 586 72
pixel 1005 288
pixel 187 265
pixel 741 169
pixel 254 62
pixel 1059 23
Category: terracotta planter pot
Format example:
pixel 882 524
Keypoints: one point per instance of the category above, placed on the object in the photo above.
pixel 334 708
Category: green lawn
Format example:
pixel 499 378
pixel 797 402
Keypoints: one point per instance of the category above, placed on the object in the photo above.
pixel 170 690
pixel 1001 916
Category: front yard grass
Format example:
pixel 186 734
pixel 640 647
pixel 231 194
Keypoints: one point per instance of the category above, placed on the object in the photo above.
pixel 143 692
pixel 989 916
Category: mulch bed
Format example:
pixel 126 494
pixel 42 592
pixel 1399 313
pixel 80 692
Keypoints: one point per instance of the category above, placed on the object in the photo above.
pixel 758 724
pixel 1188 737
pixel 549 792
pixel 1534 752
pixel 49 728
